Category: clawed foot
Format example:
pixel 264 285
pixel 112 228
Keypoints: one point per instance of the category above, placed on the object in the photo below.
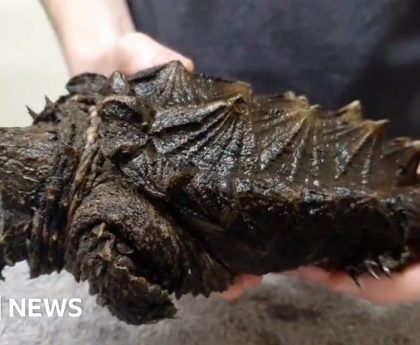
pixel 113 274
pixel 375 267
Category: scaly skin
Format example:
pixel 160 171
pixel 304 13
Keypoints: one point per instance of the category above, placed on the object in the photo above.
pixel 170 182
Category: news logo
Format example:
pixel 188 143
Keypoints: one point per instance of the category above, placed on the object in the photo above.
pixel 40 307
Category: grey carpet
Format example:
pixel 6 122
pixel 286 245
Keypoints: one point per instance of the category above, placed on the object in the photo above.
pixel 280 312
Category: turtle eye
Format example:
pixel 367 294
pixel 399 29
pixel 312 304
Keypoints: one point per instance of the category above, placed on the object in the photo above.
pixel 126 109
pixel 113 109
pixel 124 129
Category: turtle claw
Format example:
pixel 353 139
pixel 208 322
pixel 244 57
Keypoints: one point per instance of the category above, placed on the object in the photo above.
pixel 377 267
pixel 384 269
pixel 354 274
pixel 371 268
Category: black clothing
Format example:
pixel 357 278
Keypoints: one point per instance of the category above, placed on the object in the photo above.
pixel 333 51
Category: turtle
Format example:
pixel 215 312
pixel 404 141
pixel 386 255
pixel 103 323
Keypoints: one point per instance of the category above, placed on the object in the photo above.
pixel 169 182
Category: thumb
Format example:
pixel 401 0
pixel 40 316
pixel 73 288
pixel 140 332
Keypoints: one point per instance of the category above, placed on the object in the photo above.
pixel 136 51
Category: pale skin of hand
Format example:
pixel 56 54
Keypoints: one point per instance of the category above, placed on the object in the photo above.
pixel 99 36
pixel 402 287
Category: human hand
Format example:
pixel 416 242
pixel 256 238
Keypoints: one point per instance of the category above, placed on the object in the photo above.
pixel 129 54
pixel 240 284
pixel 100 36
pixel 401 287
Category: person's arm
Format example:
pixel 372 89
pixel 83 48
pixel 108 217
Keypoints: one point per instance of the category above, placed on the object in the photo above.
pixel 99 36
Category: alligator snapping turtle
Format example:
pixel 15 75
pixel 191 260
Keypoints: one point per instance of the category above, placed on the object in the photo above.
pixel 170 182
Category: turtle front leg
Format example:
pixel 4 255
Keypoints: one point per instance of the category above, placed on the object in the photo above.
pixel 109 266
pixel 134 255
